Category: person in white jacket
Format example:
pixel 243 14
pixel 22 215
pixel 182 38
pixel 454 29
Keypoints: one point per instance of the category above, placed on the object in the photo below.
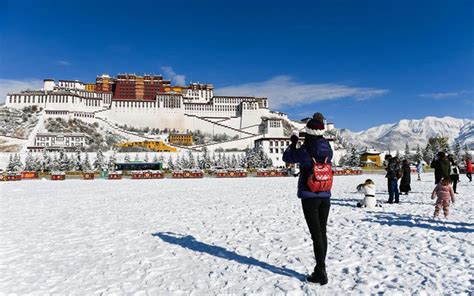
pixel 368 189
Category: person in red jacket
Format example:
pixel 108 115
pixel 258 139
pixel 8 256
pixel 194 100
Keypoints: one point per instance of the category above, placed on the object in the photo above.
pixel 469 169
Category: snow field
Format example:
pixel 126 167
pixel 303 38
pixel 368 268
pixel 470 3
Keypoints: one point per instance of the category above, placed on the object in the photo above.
pixel 226 236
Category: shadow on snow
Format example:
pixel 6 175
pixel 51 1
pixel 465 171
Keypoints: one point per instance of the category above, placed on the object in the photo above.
pixel 189 242
pixel 394 219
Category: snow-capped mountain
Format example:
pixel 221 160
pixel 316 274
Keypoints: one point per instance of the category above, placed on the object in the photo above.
pixel 414 132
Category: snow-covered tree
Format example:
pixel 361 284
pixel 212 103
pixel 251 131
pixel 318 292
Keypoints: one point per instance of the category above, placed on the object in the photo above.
pixel 233 161
pixel 30 163
pixel 86 164
pixel 161 158
pixel 354 157
pixel 155 157
pixel 112 161
pixel 179 163
pixel 146 158
pixel 428 153
pixel 137 157
pixel 55 163
pixel 11 164
pixel 191 163
pixel 169 163
pixel 126 158
pixel 418 154
pixel 99 162
pixel 45 161
pixel 77 166
pixel 205 161
pixel 407 152
pixel 457 150
pixel 63 161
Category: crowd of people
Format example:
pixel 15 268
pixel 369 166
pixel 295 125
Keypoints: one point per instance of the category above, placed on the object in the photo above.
pixel 316 152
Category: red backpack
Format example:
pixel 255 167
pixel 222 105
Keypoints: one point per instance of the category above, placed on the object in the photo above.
pixel 321 177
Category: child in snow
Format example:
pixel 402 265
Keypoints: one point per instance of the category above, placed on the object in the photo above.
pixel 444 192
pixel 368 189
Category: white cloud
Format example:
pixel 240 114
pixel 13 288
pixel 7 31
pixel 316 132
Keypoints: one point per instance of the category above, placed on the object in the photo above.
pixel 176 78
pixel 445 95
pixel 283 91
pixel 9 85
pixel 63 63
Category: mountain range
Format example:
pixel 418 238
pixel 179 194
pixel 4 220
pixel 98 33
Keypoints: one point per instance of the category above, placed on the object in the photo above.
pixel 394 136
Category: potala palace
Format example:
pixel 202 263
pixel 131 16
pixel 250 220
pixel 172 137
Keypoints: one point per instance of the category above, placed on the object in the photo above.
pixel 151 101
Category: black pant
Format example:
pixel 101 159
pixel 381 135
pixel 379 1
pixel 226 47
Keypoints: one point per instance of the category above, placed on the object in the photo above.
pixel 316 212
pixel 469 176
pixel 455 180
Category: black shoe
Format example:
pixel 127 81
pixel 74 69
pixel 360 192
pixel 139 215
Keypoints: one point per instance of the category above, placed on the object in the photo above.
pixel 318 276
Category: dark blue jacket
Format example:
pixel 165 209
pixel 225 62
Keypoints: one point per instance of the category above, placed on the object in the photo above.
pixel 317 148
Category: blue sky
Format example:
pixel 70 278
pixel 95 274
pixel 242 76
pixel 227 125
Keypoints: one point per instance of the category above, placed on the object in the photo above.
pixel 361 63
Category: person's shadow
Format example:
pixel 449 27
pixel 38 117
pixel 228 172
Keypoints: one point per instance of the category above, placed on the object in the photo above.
pixel 189 242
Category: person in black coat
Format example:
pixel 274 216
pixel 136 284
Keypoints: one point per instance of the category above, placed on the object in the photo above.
pixel 406 177
pixel 393 171
pixel 441 167
pixel 315 205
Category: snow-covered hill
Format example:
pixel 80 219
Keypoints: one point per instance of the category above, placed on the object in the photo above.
pixel 414 132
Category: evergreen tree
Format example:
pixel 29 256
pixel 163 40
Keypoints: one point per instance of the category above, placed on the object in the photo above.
pixel 233 162
pixel 170 164
pixel 191 162
pixel 198 161
pixel 86 164
pixel 137 158
pixel 178 163
pixel 407 152
pixel 243 161
pixel 428 154
pixel 214 159
pixel 457 150
pixel 63 161
pixel 78 162
pixel 112 161
pixel 155 157
pixel 127 158
pixel 11 164
pixel 99 162
pixel 45 162
pixel 38 165
pixel 418 154
pixel 398 153
pixel 161 158
pixel 146 159
pixel 206 162
pixel 354 157
pixel 55 163
pixel 30 164
pixel 18 163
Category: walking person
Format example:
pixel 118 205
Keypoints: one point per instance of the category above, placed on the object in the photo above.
pixel 315 205
pixel 440 164
pixel 419 169
pixel 393 174
pixel 406 177
pixel 453 173
pixel 468 168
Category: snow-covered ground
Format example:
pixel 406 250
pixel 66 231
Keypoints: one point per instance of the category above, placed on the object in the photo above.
pixel 226 236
